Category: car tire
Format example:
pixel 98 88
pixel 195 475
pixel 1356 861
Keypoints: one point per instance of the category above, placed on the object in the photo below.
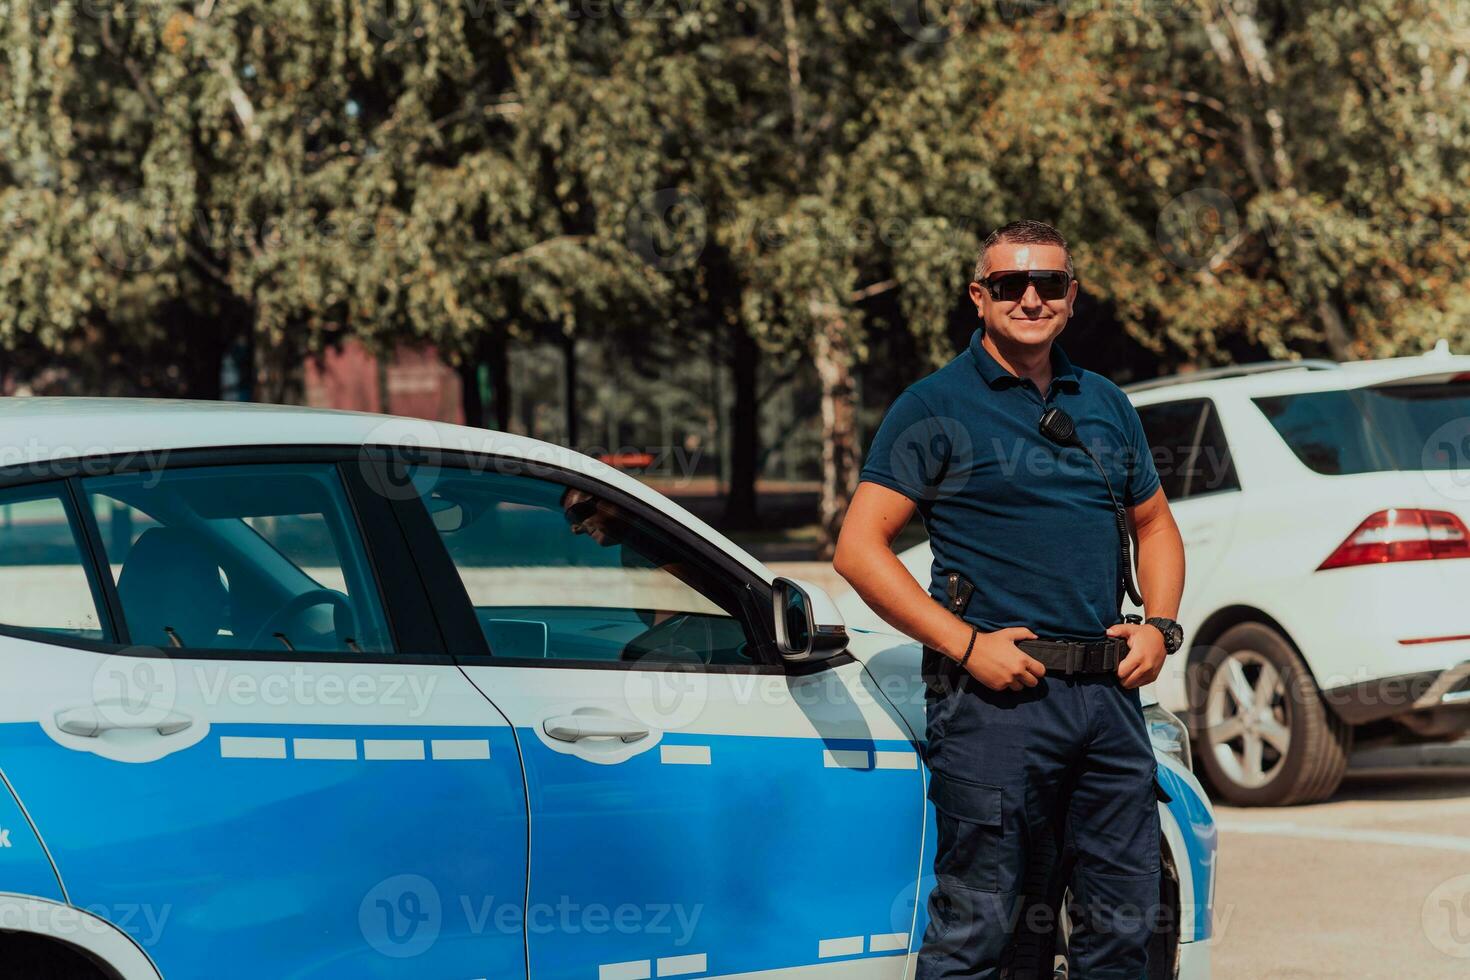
pixel 1040 945
pixel 39 958
pixel 1263 734
pixel 1163 951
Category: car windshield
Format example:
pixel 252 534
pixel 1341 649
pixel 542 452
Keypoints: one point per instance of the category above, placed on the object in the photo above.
pixel 1418 426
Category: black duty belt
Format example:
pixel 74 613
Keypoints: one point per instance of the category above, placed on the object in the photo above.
pixel 1077 656
pixel 1057 656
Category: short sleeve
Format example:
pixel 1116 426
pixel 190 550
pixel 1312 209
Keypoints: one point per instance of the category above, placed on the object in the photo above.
pixel 912 452
pixel 1143 475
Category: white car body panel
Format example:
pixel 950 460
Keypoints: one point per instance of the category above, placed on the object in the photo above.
pixel 247 712
pixel 1258 547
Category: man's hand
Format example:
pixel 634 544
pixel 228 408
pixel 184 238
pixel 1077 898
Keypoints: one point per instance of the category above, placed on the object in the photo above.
pixel 998 663
pixel 1146 653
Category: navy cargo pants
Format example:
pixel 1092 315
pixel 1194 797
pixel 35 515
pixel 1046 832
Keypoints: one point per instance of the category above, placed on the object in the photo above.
pixel 1068 761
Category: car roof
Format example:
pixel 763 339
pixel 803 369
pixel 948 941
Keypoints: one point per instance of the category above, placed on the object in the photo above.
pixel 65 428
pixel 40 430
pixel 1284 377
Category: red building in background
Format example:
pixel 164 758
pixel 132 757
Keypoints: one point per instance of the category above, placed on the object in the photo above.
pixel 414 382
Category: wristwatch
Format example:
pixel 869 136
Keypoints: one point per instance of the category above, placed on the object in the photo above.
pixel 1173 632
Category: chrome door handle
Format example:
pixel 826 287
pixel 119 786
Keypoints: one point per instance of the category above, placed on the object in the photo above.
pixel 90 720
pixel 574 728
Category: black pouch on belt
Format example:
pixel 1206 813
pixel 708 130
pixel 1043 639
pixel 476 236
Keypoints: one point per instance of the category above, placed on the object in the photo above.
pixel 941 673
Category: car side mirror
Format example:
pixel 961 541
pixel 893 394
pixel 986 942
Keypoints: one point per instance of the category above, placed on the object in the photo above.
pixel 808 624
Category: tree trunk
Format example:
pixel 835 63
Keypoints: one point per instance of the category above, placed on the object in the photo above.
pixel 199 347
pixel 490 352
pixel 279 374
pixel 1334 326
pixel 497 354
pixel 833 356
pixel 741 503
pixel 569 364
pixel 470 402
pixel 381 389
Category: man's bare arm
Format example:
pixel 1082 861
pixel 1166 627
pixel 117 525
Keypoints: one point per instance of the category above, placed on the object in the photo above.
pixel 866 560
pixel 1161 584
pixel 1160 557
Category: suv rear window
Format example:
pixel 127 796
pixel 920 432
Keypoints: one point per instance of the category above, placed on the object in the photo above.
pixel 1371 430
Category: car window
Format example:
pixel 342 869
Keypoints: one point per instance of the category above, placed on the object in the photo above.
pixel 1170 428
pixel 256 557
pixel 44 580
pixel 1189 447
pixel 558 572
pixel 1370 430
pixel 305 540
pixel 1213 467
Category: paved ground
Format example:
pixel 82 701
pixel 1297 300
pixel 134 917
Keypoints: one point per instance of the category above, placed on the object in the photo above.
pixel 1373 883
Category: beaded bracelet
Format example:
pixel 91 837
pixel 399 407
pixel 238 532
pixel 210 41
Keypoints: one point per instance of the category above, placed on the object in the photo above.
pixel 969 647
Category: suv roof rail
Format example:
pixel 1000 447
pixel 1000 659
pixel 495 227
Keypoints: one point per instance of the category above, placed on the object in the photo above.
pixel 1232 371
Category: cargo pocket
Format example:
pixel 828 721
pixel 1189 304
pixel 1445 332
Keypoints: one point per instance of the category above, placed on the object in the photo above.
pixel 968 818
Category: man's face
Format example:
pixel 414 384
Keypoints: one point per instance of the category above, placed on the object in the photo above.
pixel 598 519
pixel 1030 320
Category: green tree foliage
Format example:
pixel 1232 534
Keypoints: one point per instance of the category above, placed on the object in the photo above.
pixel 1236 176
pixel 1239 178
pixel 181 177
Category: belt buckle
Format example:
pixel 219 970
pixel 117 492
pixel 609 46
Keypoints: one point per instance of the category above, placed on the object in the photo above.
pixel 1076 657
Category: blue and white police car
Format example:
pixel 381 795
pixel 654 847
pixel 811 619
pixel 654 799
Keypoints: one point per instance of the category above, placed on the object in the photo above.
pixel 290 693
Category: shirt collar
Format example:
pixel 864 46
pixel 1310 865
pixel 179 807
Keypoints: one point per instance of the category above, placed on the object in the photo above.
pixel 995 376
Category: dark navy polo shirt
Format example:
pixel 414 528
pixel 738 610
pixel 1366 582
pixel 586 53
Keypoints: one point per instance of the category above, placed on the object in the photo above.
pixel 1027 521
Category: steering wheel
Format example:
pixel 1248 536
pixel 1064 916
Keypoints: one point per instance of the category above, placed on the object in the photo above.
pixel 342 612
pixel 661 643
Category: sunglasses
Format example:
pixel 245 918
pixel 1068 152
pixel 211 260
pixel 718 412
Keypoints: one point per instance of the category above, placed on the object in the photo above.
pixel 580 511
pixel 1009 287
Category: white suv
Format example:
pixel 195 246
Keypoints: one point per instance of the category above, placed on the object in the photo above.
pixel 1324 510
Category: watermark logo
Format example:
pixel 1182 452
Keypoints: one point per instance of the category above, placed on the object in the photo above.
pixel 135 231
pixel 933 456
pixel 933 21
pixel 405 447
pixel 394 20
pixel 1194 227
pixel 1446 459
pixel 666 699
pixel 1446 917
pixel 1010 10
pixel 401 916
pixel 135 689
pixel 668 229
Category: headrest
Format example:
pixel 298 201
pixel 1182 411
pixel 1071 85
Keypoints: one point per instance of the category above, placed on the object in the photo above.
pixel 169 579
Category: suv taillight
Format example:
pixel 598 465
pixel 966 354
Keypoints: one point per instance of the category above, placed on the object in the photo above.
pixel 1402 534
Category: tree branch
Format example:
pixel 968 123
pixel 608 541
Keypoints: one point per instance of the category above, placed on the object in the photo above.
pixel 244 108
pixel 139 81
pixel 793 71
pixel 516 257
pixel 1184 95
pixel 877 288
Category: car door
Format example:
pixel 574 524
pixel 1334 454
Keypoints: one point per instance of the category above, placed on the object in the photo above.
pixel 1197 471
pixel 697 808
pixel 1198 475
pixel 228 713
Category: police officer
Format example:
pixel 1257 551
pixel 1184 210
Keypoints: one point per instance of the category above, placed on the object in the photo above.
pixel 1035 731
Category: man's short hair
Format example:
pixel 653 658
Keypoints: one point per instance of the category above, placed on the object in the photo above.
pixel 1022 233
